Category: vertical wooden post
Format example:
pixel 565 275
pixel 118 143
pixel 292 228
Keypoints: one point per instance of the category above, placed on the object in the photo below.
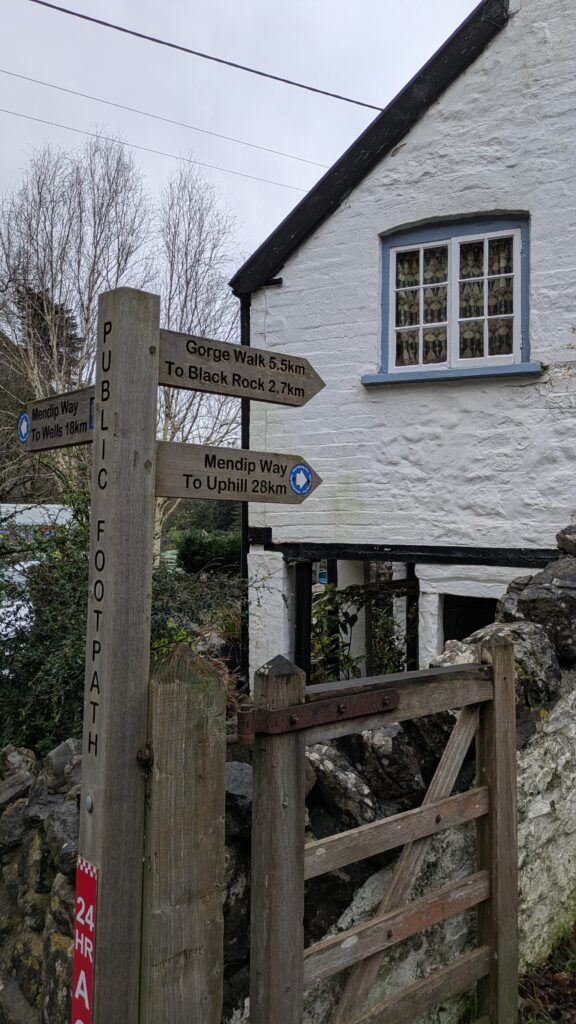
pixel 497 841
pixel 303 616
pixel 183 924
pixel 277 928
pixel 118 639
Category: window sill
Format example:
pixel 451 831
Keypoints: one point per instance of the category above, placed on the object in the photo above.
pixel 474 373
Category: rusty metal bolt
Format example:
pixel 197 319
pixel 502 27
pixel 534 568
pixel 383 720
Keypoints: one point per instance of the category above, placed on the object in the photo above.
pixel 438 819
pixel 145 757
pixel 341 708
pixel 389 934
pixel 294 719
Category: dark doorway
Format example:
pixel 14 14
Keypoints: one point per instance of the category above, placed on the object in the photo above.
pixel 464 615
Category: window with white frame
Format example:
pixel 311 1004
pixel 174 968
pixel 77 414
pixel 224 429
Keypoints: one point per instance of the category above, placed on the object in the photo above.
pixel 454 302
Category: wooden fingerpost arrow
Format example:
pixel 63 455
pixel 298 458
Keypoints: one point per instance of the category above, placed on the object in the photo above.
pixel 237 370
pixel 232 474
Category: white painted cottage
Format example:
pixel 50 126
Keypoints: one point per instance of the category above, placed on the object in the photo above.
pixel 430 279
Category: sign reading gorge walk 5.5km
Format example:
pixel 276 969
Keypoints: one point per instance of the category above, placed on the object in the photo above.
pixel 232 474
pixel 226 369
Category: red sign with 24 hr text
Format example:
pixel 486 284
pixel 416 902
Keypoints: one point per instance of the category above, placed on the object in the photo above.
pixel 84 942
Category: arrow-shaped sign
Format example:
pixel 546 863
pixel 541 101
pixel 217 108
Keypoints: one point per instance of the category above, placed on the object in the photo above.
pixel 57 422
pixel 226 369
pixel 232 474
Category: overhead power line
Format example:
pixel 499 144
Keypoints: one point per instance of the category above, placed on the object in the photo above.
pixel 159 117
pixel 204 56
pixel 147 149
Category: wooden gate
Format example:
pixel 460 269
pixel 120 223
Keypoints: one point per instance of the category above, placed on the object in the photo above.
pixel 286 716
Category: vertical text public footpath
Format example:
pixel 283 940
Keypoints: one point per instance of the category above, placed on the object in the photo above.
pixel 100 475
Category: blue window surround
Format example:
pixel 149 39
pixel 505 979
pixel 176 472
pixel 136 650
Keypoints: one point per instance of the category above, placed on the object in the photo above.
pixel 437 232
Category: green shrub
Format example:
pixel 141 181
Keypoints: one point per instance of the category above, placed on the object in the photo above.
pixel 200 551
pixel 42 658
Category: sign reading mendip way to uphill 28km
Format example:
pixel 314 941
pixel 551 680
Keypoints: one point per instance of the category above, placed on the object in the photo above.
pixel 232 474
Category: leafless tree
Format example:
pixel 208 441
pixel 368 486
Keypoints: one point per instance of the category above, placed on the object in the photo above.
pixel 81 223
pixel 77 225
pixel 193 261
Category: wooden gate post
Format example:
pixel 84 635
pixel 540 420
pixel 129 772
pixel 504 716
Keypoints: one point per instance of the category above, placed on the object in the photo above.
pixel 118 645
pixel 277 902
pixel 497 840
pixel 183 923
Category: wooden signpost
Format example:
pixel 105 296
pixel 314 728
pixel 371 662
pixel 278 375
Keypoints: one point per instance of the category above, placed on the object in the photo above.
pixel 129 470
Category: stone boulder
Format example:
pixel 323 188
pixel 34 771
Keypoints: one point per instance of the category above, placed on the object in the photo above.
pixel 537 670
pixel 549 599
pixel 566 540
pixel 340 786
pixel 238 799
pixel 62 767
pixel 389 763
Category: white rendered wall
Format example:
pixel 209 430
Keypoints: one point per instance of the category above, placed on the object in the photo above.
pixel 271 608
pixel 474 463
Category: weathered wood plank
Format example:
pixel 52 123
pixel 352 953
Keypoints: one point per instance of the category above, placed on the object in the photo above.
pixel 408 865
pixel 118 639
pixel 473 672
pixel 183 925
pixel 277 895
pixel 415 1000
pixel 498 844
pixel 368 840
pixel 415 701
pixel 337 952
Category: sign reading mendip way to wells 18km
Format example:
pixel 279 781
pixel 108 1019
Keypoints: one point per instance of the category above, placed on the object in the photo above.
pixel 236 370
pixel 231 474
pixel 57 422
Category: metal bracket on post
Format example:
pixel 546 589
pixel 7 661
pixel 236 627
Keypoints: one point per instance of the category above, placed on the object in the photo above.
pixel 305 716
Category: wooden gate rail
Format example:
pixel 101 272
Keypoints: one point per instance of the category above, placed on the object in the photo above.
pixel 281 861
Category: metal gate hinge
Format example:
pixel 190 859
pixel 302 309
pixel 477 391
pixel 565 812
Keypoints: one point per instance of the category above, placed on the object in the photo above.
pixel 305 716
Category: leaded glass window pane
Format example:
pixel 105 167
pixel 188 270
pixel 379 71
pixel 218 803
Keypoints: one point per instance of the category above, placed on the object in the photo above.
pixel 408 308
pixel 435 345
pixel 472 339
pixel 500 337
pixel 471 298
pixel 500 255
pixel 407 348
pixel 436 265
pixel 408 268
pixel 500 291
pixel 472 259
pixel 435 305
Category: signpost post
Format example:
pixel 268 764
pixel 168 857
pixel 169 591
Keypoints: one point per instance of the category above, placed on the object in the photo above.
pixel 118 641
pixel 129 470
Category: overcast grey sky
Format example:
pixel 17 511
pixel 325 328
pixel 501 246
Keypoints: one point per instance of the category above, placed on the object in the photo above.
pixel 367 49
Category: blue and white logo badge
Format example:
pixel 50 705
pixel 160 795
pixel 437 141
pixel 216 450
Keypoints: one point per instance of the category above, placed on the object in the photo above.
pixel 23 427
pixel 301 479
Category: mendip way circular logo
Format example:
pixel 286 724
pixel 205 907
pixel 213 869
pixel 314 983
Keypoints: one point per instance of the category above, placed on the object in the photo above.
pixel 301 478
pixel 23 427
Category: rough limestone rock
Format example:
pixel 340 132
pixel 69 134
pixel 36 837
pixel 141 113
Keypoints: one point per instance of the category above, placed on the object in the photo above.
pixel 57 952
pixel 238 799
pixel 342 788
pixel 450 857
pixel 63 766
pixel 537 668
pixel 547 827
pixel 16 759
pixel 13 1007
pixel 549 598
pixel 61 828
pixel 566 540
pixel 388 762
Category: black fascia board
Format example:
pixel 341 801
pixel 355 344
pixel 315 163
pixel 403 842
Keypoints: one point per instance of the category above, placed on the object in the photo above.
pixel 379 139
pixel 436 554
